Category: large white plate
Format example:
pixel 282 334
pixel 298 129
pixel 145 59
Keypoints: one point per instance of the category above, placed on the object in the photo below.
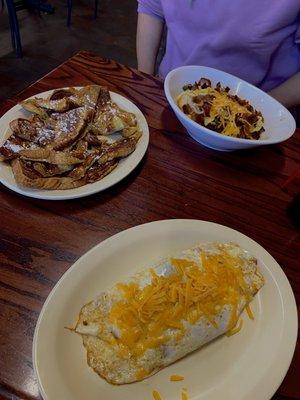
pixel 124 167
pixel 246 366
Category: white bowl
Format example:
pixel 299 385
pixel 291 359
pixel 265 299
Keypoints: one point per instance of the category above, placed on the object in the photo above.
pixel 279 123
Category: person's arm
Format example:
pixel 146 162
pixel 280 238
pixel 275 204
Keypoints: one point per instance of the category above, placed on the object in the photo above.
pixel 288 93
pixel 149 31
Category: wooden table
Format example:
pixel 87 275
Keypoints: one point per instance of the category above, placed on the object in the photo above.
pixel 177 179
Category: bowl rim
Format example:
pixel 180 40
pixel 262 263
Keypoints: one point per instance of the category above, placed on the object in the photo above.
pixel 226 138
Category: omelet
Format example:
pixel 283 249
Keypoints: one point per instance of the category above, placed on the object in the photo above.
pixel 161 314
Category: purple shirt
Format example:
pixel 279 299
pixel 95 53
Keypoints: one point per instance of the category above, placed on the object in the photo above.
pixel 257 40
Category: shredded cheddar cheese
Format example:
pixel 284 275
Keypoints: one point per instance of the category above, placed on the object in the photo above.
pixel 184 395
pixel 235 330
pixel 223 107
pixel 220 105
pixel 176 378
pixel 156 395
pixel 249 311
pixel 145 314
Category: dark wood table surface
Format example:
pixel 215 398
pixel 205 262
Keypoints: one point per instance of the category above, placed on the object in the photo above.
pixel 177 178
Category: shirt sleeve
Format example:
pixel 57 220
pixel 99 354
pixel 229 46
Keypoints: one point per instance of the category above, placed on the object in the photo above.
pixel 151 7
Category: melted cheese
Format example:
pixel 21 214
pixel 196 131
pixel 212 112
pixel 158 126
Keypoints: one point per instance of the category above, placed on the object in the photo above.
pixel 141 374
pixel 145 315
pixel 222 107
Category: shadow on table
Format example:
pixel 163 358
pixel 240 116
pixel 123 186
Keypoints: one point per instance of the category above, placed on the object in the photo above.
pixel 268 160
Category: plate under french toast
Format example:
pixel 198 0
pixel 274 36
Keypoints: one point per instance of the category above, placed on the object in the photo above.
pixel 248 365
pixel 124 166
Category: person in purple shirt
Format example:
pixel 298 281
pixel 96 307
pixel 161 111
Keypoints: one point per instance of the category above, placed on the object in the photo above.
pixel 256 40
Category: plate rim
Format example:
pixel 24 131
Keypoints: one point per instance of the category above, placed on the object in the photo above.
pixel 58 197
pixel 291 329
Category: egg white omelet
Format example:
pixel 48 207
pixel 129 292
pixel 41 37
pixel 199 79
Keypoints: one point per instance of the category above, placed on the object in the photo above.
pixel 161 314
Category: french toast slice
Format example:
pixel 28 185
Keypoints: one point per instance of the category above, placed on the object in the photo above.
pixel 110 118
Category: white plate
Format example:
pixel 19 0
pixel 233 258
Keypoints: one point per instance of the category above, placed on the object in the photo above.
pixel 246 366
pixel 124 167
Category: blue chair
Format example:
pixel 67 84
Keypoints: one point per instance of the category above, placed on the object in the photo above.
pixel 12 8
pixel 70 5
pixel 16 5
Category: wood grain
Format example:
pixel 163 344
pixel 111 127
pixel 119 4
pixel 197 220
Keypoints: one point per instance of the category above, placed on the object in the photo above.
pixel 177 179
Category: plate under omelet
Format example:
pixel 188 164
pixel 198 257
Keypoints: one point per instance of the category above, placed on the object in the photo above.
pixel 161 314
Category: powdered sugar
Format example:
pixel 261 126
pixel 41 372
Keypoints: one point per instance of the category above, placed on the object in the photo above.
pixel 13 147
